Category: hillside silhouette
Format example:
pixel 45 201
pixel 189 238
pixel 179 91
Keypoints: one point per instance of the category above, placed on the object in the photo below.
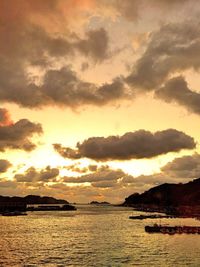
pixel 169 198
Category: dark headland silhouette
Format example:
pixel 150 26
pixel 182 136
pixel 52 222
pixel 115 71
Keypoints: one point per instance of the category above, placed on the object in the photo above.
pixel 33 199
pixel 176 199
pixel 21 203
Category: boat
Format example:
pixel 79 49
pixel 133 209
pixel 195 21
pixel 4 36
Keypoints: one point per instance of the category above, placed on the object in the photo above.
pixel 171 230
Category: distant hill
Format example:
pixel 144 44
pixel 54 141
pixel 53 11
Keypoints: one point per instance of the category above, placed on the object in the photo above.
pixel 33 199
pixel 173 196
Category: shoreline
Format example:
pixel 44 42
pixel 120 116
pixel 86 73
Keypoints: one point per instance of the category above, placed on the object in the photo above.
pixel 177 212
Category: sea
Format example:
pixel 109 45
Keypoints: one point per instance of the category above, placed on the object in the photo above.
pixel 93 236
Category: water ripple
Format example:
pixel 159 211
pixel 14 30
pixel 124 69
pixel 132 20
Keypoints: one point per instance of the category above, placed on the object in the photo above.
pixel 93 236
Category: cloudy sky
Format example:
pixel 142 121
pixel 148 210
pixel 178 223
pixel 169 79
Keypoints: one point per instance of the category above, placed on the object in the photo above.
pixel 99 98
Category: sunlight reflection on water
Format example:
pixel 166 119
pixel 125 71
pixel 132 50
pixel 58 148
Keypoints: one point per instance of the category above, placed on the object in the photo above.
pixel 93 236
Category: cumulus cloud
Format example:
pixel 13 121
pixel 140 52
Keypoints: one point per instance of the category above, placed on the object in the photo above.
pixel 27 43
pixel 105 183
pixel 183 167
pixel 118 182
pixel 32 175
pixel 4 165
pixel 76 168
pixel 180 169
pixel 96 45
pixel 98 176
pixel 147 181
pixel 174 47
pixel 63 87
pixel 33 34
pixel 17 135
pixel 5 118
pixel 44 26
pixel 59 87
pixel 103 177
pixel 177 90
pixel 139 144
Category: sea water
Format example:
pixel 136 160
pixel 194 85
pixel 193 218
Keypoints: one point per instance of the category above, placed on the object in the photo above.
pixel 93 236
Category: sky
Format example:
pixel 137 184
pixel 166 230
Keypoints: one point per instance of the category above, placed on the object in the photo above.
pixel 99 99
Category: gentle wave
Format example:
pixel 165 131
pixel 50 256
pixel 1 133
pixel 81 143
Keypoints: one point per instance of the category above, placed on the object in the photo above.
pixel 93 236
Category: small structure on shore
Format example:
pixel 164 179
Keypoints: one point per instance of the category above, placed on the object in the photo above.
pixel 150 216
pixel 11 206
pixel 166 229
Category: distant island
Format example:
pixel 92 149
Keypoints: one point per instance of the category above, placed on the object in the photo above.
pixel 175 199
pixel 99 203
pixel 41 204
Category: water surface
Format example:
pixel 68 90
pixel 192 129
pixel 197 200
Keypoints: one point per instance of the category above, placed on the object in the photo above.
pixel 93 236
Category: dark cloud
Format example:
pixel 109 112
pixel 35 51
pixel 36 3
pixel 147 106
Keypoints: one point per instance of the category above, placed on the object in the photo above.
pixel 28 39
pixel 15 86
pixel 63 87
pixel 183 167
pixel 77 168
pixel 96 45
pixel 32 175
pixel 101 178
pixel 5 118
pixel 180 169
pixel 34 28
pixel 4 165
pixel 174 47
pixel 31 44
pixel 98 176
pixel 177 90
pixel 147 181
pixel 60 87
pixel 139 144
pixel 88 169
pixel 26 42
pixel 105 184
pixel 92 168
pixel 17 135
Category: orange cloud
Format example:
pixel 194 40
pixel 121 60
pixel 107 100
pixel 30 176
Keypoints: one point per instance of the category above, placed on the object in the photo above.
pixel 5 119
